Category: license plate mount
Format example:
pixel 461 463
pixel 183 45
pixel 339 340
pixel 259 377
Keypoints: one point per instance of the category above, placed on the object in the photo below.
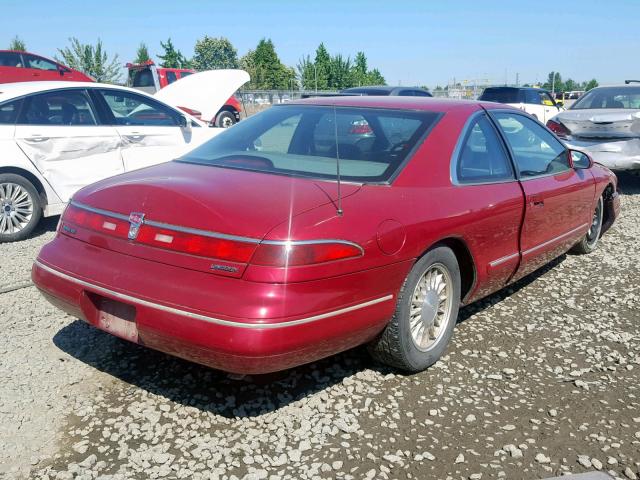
pixel 117 318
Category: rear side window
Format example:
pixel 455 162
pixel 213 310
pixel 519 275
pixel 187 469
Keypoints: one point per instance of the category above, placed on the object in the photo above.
pixel 171 77
pixel 10 59
pixel 535 150
pixel 39 63
pixel 299 140
pixel 133 109
pixel 482 158
pixel 532 97
pixel 9 112
pixel 63 107
pixel 501 95
pixel 143 78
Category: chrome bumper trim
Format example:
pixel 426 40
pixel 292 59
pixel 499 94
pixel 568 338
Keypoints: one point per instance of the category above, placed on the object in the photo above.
pixel 206 318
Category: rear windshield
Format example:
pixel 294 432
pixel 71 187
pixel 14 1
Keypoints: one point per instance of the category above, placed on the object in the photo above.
pixel 141 78
pixel 306 141
pixel 368 91
pixel 501 95
pixel 609 97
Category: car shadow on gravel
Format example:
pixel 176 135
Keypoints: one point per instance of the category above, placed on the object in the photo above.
pixel 206 389
pixel 628 184
pixel 46 225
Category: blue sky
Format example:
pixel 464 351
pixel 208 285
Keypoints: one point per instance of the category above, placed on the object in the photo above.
pixel 411 42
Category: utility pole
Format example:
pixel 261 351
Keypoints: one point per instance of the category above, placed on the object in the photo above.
pixel 315 74
pixel 517 79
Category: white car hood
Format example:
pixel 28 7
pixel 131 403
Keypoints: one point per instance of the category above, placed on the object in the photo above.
pixel 205 92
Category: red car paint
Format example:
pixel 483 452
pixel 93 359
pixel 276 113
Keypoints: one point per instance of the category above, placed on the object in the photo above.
pixel 150 78
pixel 18 66
pixel 248 318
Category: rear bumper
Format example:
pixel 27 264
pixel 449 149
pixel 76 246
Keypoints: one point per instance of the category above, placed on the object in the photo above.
pixel 207 319
pixel 622 154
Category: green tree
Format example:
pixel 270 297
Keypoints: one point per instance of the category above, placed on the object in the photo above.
pixel 265 68
pixel 322 62
pixel 172 57
pixel 340 73
pixel 586 86
pixel 306 73
pixel 142 54
pixel 212 53
pixel 374 77
pixel 360 69
pixel 18 44
pixel 91 60
pixel 554 82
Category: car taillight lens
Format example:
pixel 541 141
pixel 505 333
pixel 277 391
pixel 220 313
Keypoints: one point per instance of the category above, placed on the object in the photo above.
pixel 297 254
pixel 193 244
pixel 95 221
pixel 360 127
pixel 558 128
pixel 190 243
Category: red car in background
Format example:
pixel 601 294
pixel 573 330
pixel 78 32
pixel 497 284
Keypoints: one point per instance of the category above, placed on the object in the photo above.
pixel 268 246
pixel 26 67
pixel 150 78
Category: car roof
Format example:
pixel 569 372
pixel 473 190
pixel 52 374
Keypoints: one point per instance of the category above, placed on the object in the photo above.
pixel 18 89
pixel 397 102
pixel 517 88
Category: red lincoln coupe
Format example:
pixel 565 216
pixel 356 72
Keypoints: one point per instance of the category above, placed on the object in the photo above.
pixel 324 224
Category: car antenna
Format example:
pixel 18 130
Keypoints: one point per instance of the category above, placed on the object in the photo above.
pixel 335 130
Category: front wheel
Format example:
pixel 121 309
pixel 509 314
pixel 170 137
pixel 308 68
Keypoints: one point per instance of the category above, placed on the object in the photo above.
pixel 589 242
pixel 225 119
pixel 20 208
pixel 426 313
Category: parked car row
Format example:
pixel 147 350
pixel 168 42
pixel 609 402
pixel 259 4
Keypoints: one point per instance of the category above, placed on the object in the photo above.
pixel 57 137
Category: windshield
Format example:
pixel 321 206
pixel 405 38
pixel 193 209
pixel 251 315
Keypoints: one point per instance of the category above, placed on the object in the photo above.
pixel 501 95
pixel 609 97
pixel 306 140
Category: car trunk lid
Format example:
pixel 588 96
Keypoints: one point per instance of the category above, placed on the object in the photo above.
pixel 601 123
pixel 188 204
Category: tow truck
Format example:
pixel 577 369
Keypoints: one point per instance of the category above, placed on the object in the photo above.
pixel 149 78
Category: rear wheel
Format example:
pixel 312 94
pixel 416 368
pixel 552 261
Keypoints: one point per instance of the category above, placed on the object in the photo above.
pixel 225 119
pixel 589 242
pixel 425 316
pixel 20 208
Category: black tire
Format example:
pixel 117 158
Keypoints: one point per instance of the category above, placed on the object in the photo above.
pixel 396 345
pixel 225 119
pixel 589 242
pixel 8 205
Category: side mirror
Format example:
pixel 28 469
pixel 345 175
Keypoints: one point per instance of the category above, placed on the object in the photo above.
pixel 579 160
pixel 184 122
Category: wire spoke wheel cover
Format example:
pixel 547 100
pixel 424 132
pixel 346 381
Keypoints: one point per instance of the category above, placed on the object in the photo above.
pixel 431 305
pixel 16 208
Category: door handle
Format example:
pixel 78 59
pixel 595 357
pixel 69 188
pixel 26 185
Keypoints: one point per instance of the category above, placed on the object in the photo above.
pixel 36 138
pixel 135 136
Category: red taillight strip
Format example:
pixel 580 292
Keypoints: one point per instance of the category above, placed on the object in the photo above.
pixel 167 226
pixel 153 240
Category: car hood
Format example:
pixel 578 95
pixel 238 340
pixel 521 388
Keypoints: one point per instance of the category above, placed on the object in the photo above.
pixel 601 123
pixel 215 199
pixel 205 92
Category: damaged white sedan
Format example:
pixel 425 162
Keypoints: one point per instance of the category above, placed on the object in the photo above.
pixel 57 137
pixel 604 123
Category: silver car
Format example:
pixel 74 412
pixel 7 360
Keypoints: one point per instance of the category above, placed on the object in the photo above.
pixel 604 123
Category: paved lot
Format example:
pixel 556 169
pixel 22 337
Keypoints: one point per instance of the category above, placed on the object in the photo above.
pixel 542 378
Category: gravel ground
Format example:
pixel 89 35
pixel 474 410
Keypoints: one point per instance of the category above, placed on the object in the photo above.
pixel 541 379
